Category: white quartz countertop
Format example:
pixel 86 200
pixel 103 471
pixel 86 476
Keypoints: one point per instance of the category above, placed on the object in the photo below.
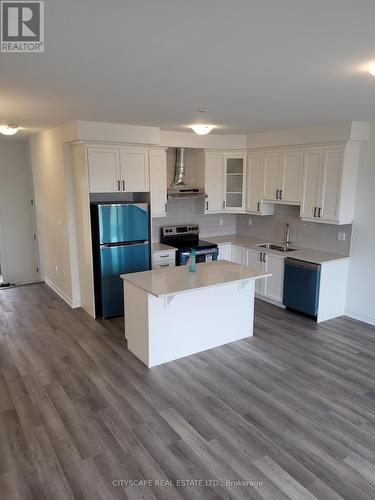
pixel 174 280
pixel 160 247
pixel 306 254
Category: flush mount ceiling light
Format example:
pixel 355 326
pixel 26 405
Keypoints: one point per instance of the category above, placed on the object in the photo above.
pixel 202 129
pixel 10 129
pixel 371 69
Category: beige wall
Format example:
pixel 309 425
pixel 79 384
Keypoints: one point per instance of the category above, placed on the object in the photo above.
pixel 17 245
pixel 51 166
pixel 361 285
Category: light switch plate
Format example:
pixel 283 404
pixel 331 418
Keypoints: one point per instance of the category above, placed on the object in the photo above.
pixel 341 236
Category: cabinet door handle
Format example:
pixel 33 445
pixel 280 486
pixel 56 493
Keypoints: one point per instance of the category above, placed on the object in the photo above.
pixel 315 211
pixel 166 207
pixel 281 194
pixel 118 186
pixel 264 257
pixel 206 205
pixel 277 194
pixel 320 212
pixel 224 205
pixel 123 185
pixel 258 206
pixel 260 256
pixel 164 265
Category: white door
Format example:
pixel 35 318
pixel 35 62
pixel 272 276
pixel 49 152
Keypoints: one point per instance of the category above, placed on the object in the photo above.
pixel 331 186
pixel 134 170
pixel 234 183
pixel 104 170
pixel 273 286
pixel 273 163
pixel 253 260
pixel 158 182
pixel 213 183
pixel 254 183
pixel 291 177
pixel 313 161
pixel 225 252
pixel 238 255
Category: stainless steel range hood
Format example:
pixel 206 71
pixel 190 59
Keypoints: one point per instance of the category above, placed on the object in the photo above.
pixel 178 188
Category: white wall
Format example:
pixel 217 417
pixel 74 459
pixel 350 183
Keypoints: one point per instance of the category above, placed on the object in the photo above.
pixel 332 132
pixel 17 246
pixel 361 285
pixel 55 210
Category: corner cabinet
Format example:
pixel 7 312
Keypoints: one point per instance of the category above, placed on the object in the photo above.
pixel 225 182
pixel 158 182
pixel 114 170
pixel 329 184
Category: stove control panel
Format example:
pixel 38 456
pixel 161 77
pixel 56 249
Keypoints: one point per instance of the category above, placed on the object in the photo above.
pixel 180 230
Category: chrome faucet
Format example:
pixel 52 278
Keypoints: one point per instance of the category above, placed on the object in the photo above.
pixel 287 235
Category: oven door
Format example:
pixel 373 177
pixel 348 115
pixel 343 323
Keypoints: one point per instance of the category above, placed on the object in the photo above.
pixel 206 255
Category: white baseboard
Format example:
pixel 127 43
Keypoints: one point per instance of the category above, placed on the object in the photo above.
pixel 60 293
pixel 270 301
pixel 360 317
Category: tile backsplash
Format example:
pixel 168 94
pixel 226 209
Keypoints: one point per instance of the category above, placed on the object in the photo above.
pixel 192 211
pixel 304 234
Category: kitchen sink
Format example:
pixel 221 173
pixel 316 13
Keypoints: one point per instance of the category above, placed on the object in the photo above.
pixel 279 248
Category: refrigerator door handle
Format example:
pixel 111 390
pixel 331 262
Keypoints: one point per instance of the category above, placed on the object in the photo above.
pixel 132 244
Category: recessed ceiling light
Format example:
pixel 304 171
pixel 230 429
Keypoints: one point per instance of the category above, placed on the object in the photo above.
pixel 371 69
pixel 202 129
pixel 10 129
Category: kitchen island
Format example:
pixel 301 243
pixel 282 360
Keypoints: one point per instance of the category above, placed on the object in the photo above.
pixel 171 313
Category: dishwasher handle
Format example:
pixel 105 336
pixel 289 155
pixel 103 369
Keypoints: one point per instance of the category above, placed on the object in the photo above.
pixel 302 264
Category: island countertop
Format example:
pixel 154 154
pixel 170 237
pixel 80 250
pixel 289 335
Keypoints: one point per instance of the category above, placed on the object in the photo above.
pixel 174 280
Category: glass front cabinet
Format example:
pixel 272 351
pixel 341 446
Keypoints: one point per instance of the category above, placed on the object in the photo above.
pixel 234 182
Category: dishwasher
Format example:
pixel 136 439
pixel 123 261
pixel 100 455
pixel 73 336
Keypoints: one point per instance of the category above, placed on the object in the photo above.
pixel 301 286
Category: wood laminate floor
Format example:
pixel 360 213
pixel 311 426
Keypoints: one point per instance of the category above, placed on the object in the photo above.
pixel 292 409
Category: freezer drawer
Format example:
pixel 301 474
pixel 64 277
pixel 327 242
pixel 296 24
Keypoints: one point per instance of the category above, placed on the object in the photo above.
pixel 116 260
pixel 301 286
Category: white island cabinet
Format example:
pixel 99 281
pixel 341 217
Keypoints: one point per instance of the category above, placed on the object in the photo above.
pixel 171 313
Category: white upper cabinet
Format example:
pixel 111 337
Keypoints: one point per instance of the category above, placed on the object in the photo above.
pixel 313 161
pixel 134 169
pixel 234 182
pixel 158 182
pixel 283 176
pixel 214 178
pixel 254 186
pixel 291 177
pixel 329 184
pixel 272 165
pixel 118 169
pixel 104 170
pixel 225 182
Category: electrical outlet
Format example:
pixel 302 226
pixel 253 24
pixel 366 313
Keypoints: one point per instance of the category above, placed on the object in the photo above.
pixel 221 222
pixel 59 221
pixel 57 269
pixel 341 236
pixel 250 222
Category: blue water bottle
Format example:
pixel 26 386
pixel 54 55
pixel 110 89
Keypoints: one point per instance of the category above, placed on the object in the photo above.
pixel 192 266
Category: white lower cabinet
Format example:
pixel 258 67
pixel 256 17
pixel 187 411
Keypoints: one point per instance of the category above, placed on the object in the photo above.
pixel 225 252
pixel 238 255
pixel 266 288
pixel 272 287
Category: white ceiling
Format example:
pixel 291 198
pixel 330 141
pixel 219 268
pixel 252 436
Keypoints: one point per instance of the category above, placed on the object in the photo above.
pixel 256 64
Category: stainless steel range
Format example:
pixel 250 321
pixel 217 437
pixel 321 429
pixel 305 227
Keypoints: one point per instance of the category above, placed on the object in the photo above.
pixel 184 238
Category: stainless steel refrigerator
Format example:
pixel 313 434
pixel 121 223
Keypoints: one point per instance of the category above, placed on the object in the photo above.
pixel 120 236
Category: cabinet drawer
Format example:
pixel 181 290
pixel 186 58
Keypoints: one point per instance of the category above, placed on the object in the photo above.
pixel 167 263
pixel 164 256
